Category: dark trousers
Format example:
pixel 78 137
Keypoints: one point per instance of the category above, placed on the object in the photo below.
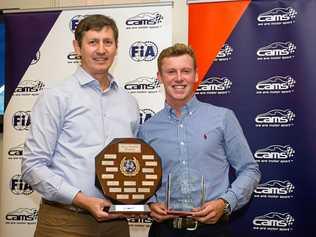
pixel 164 230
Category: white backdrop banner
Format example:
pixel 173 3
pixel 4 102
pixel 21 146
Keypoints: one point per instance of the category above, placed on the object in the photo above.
pixel 40 55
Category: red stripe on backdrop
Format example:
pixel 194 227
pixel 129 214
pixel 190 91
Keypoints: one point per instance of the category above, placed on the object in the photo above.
pixel 210 25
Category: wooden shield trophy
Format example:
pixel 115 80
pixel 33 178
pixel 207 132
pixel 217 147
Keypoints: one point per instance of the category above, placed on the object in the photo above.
pixel 128 171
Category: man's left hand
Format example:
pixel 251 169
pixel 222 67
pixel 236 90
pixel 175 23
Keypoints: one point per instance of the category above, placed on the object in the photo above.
pixel 210 212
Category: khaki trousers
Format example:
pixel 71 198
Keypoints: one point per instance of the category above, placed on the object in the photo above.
pixel 58 222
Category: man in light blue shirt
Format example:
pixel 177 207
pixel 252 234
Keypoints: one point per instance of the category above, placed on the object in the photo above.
pixel 71 124
pixel 197 143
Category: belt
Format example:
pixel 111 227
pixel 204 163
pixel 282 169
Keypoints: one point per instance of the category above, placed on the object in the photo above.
pixel 184 223
pixel 189 223
pixel 65 206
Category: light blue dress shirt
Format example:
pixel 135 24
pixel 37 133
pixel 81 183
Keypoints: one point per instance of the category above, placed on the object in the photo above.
pixel 204 141
pixel 71 124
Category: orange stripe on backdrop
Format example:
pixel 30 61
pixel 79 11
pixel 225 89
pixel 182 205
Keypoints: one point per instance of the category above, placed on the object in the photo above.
pixel 210 25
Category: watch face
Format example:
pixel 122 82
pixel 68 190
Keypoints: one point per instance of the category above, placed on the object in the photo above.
pixel 227 208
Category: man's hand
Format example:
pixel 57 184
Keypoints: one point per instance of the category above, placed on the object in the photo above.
pixel 159 212
pixel 210 212
pixel 95 206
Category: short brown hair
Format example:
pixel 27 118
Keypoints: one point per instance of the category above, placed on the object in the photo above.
pixel 95 22
pixel 177 49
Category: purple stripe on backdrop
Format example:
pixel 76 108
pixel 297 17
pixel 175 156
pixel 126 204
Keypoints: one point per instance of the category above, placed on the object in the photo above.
pixel 25 33
pixel 282 22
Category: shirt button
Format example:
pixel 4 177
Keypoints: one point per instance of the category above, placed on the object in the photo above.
pixel 181 125
pixel 182 143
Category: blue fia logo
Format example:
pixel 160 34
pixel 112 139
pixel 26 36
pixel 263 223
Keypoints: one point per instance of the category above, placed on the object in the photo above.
pixel 18 186
pixel 75 21
pixel 21 120
pixel 143 51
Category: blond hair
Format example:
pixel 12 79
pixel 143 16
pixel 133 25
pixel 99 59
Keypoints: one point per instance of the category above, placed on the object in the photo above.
pixel 177 49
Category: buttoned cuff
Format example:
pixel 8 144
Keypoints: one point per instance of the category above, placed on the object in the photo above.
pixel 66 193
pixel 231 198
pixel 152 199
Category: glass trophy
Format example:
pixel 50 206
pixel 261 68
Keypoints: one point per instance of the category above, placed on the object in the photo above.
pixel 128 172
pixel 185 190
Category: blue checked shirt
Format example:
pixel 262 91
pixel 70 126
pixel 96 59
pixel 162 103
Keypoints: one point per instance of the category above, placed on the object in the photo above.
pixel 71 124
pixel 204 141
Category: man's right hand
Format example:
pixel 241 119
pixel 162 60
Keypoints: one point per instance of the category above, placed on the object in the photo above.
pixel 95 206
pixel 159 212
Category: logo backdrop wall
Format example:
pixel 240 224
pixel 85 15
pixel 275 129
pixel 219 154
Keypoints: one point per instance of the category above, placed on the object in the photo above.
pixel 40 55
pixel 258 58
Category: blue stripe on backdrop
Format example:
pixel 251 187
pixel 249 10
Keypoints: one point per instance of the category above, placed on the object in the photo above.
pixel 265 73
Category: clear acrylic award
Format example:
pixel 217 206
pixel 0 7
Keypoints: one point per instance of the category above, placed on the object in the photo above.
pixel 185 190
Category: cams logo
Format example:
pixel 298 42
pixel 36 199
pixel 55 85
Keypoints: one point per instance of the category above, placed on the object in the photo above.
pixel 276 85
pixel 224 54
pixel 29 88
pixel 274 221
pixel 215 85
pixel 73 58
pixel 22 216
pixel 277 51
pixel 21 120
pixel 277 16
pixel 146 114
pixel 275 189
pixel 143 85
pixel 74 21
pixel 143 51
pixel 275 118
pixel 18 186
pixel 275 154
pixel 36 58
pixel 144 20
pixel 139 221
pixel 16 152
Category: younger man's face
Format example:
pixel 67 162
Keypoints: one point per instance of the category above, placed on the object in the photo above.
pixel 178 77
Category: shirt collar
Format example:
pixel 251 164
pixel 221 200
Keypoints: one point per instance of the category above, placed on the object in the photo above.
pixel 85 78
pixel 188 108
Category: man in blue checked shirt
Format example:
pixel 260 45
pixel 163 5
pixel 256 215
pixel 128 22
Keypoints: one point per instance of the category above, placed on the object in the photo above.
pixel 71 124
pixel 197 143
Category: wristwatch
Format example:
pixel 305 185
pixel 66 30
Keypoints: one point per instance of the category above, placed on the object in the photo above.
pixel 227 209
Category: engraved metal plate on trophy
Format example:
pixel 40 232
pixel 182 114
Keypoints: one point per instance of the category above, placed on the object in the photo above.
pixel 185 190
pixel 128 171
